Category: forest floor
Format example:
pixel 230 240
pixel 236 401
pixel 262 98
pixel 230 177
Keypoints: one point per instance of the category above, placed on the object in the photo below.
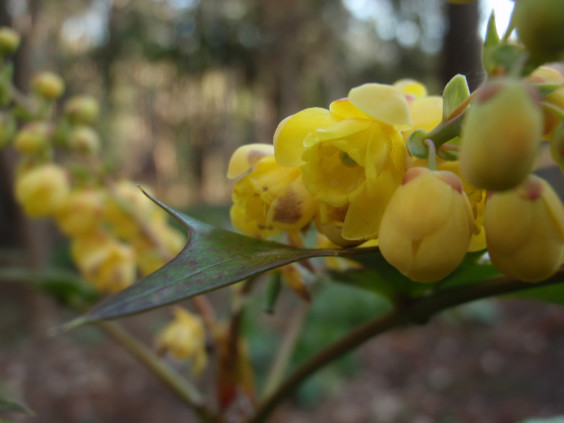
pixel 500 362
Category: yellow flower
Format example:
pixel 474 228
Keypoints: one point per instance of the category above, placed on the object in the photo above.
pixel 185 339
pixel 426 111
pixel 33 138
pixel 525 230
pixel 500 136
pixel 150 257
pixel 82 212
pixel 352 155
pixel 106 263
pixel 42 190
pixel 269 199
pixel 127 199
pixel 427 225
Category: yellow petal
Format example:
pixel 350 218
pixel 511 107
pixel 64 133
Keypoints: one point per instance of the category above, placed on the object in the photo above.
pixel 344 109
pixel 246 157
pixel 289 136
pixel 382 102
pixel 367 208
pixel 411 87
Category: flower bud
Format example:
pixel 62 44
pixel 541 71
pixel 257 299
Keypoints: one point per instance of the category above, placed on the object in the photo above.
pixel 427 226
pixel 42 190
pixel 85 140
pixel 525 230
pixel 185 339
pixel 33 138
pixel 500 136
pixel 106 263
pixel 539 25
pixel 9 40
pixel 48 85
pixel 82 212
pixel 82 109
pixel 545 74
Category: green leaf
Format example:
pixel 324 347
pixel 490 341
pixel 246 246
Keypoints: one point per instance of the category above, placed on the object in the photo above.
pixel 8 406
pixel 455 92
pixel 212 259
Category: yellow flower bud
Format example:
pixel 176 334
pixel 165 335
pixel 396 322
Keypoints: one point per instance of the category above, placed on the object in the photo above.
pixel 546 74
pixel 539 25
pixel 500 136
pixel 150 257
pixel 82 109
pixel 48 85
pixel 427 226
pixel 42 190
pixel 84 139
pixel 104 262
pixel 33 138
pixel 126 198
pixel 271 199
pixel 9 40
pixel 185 339
pixel 525 230
pixel 82 212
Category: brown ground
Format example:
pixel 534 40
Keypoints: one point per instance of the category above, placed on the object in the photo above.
pixel 478 368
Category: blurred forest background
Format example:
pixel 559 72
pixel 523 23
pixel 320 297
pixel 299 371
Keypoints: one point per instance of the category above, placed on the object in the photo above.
pixel 182 84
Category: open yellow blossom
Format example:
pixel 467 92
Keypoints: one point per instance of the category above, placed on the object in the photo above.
pixel 270 199
pixel 426 111
pixel 525 230
pixel 352 155
pixel 427 226
pixel 42 190
pixel 185 339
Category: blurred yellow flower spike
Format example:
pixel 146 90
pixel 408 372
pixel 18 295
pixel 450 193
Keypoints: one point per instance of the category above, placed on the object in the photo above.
pixel 427 226
pixel 184 339
pixel 42 190
pixel 270 199
pixel 126 197
pixel 106 263
pixel 150 257
pixel 82 212
pixel 525 230
pixel 245 157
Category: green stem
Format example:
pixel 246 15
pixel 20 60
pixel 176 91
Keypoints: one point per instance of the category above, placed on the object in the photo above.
pixel 432 159
pixel 417 311
pixel 285 352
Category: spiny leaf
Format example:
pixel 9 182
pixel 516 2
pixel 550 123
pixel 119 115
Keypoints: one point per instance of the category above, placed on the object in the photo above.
pixel 212 259
pixel 13 407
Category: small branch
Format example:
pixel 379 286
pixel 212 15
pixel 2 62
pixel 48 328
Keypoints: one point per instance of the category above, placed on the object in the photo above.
pixel 417 311
pixel 285 352
pixel 180 386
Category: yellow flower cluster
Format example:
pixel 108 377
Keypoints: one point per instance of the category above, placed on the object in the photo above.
pixel 114 229
pixel 348 169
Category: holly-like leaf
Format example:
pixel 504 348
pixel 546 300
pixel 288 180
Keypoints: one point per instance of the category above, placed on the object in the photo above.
pixel 213 258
